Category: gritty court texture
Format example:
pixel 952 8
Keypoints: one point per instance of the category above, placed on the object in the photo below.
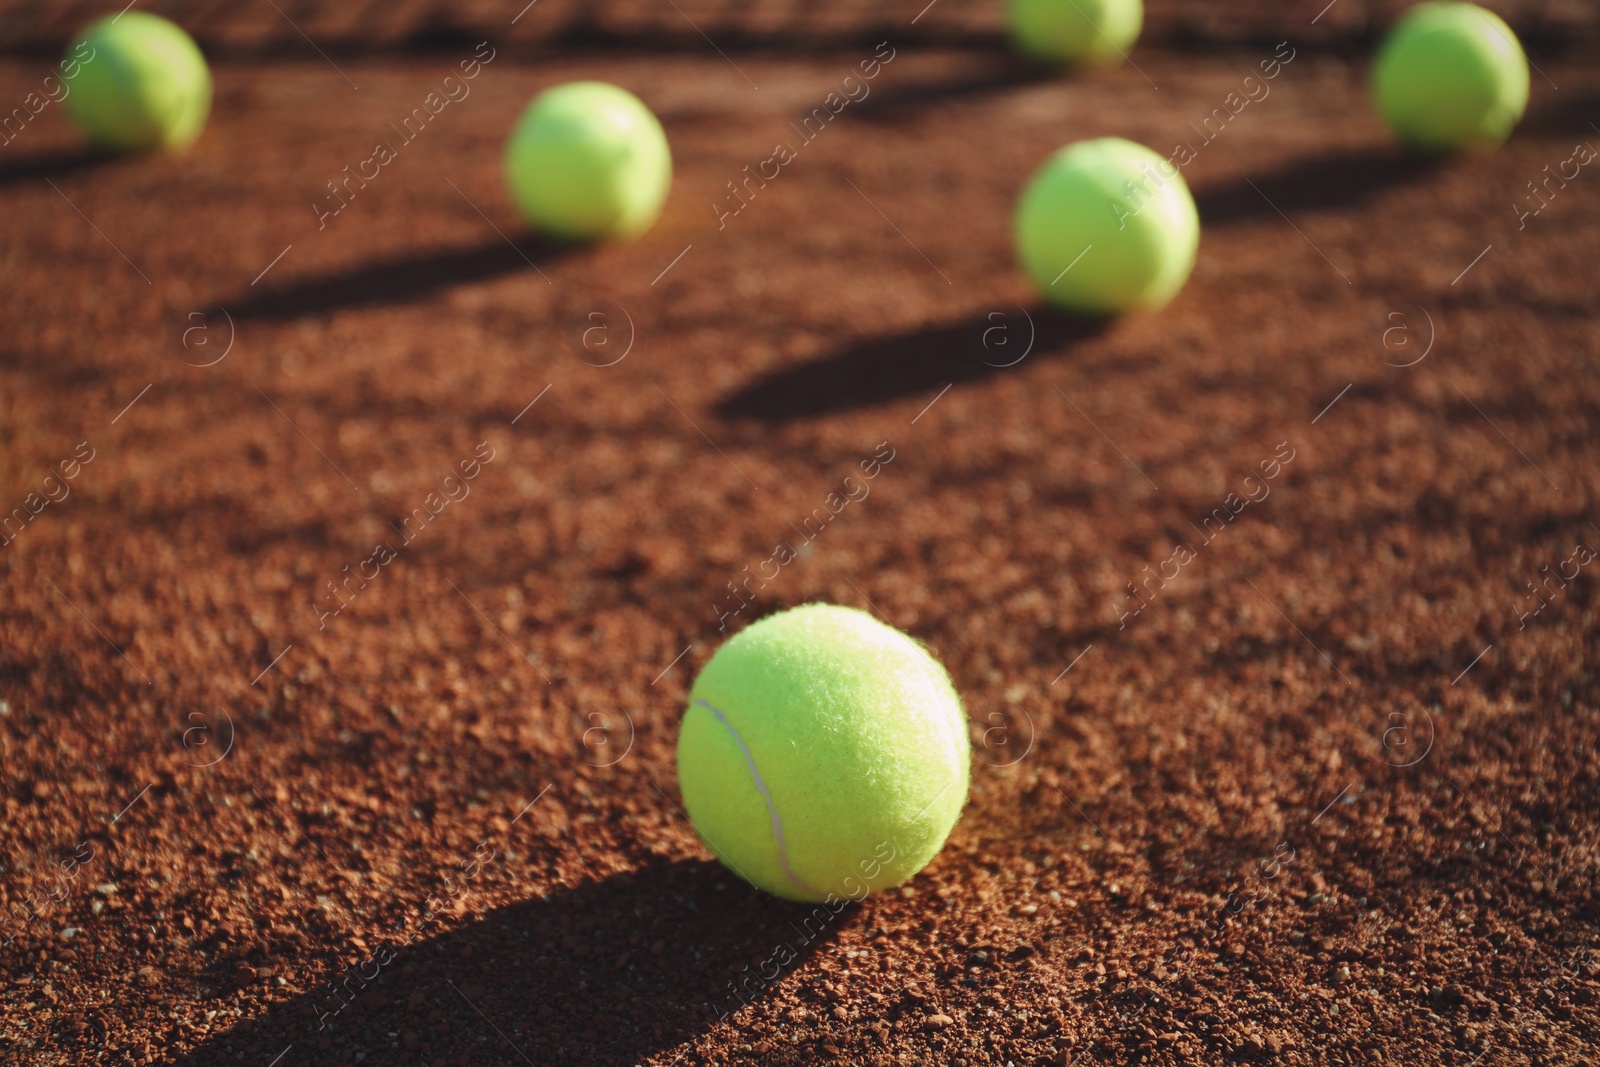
pixel 1274 613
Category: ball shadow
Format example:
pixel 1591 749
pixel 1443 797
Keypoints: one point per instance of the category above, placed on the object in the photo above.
pixel 61 164
pixel 1576 112
pixel 611 971
pixel 882 369
pixel 1316 183
pixel 397 281
pixel 1004 73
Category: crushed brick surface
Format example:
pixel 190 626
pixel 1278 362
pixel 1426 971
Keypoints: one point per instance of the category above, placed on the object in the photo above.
pixel 340 669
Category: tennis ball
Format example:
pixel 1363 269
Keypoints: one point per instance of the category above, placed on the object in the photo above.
pixel 1087 32
pixel 1106 226
pixel 1450 76
pixel 141 84
pixel 823 754
pixel 588 160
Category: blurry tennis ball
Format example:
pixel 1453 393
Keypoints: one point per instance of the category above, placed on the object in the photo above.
pixel 1087 32
pixel 588 160
pixel 141 84
pixel 823 754
pixel 1107 226
pixel 1450 76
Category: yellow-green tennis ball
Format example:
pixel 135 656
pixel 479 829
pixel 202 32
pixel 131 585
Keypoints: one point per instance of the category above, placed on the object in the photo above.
pixel 588 160
pixel 1086 32
pixel 1107 226
pixel 823 754
pixel 1450 76
pixel 141 84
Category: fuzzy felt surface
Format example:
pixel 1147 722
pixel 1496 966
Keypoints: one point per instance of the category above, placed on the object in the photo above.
pixel 141 84
pixel 823 753
pixel 1450 76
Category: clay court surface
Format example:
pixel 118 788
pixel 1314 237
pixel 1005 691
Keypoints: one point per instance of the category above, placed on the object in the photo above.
pixel 1323 793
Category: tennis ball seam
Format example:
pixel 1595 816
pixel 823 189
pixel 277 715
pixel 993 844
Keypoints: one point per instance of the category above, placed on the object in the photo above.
pixel 766 795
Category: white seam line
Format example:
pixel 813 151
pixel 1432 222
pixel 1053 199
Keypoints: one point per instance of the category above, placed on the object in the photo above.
pixel 766 795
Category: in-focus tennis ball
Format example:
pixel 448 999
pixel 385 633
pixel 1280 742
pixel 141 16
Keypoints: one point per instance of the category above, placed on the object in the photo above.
pixel 588 160
pixel 823 754
pixel 141 84
pixel 1450 76
pixel 1107 226
pixel 1087 32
